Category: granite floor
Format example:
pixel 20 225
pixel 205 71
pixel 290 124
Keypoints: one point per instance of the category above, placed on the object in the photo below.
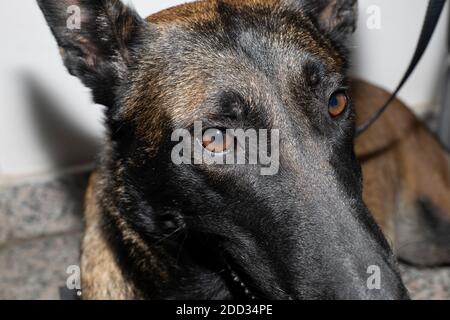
pixel 40 230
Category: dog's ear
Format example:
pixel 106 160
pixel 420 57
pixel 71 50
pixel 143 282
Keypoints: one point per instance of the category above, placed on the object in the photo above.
pixel 335 17
pixel 96 39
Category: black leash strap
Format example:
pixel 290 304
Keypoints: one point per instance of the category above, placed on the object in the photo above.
pixel 432 16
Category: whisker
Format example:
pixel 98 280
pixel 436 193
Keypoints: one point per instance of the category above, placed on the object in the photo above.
pixel 169 235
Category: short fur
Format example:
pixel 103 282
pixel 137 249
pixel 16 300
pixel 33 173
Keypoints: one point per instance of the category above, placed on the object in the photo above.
pixel 160 231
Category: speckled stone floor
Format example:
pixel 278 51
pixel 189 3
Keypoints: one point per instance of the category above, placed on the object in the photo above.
pixel 40 231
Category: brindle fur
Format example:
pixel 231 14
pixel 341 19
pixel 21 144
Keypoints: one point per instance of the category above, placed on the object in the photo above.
pixel 156 230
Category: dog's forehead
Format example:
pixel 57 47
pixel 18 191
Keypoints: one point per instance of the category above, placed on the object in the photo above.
pixel 246 23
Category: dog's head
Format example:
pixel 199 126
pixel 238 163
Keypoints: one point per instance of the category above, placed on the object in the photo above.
pixel 300 230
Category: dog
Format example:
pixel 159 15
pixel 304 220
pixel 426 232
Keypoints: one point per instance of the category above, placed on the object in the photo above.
pixel 406 179
pixel 160 230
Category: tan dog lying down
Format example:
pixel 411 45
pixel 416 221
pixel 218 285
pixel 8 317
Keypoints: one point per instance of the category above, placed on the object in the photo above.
pixel 406 179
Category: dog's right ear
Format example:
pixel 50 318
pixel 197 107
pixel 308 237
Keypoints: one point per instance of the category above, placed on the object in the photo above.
pixel 96 39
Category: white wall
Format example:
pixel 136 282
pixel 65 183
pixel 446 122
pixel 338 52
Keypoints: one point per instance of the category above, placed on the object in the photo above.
pixel 382 56
pixel 47 120
pixel 38 93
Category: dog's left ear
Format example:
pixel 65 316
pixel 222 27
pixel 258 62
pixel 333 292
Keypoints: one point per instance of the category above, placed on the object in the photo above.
pixel 335 17
pixel 96 39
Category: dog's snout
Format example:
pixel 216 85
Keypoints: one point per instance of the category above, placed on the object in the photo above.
pixel 334 247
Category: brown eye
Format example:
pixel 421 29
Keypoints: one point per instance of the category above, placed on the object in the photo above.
pixel 338 104
pixel 217 141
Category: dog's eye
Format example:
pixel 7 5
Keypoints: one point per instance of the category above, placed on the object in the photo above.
pixel 338 103
pixel 217 140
